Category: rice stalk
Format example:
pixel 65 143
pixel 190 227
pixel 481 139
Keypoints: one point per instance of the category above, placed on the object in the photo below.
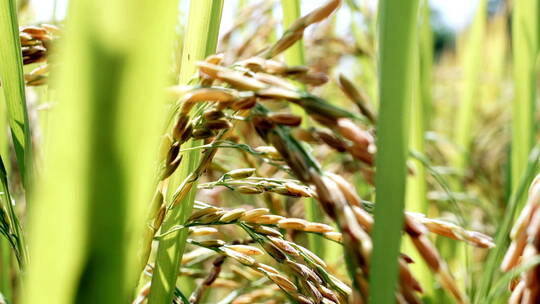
pixel 12 83
pixel 525 22
pixel 416 196
pixel 426 63
pixel 472 62
pixel 200 41
pixel 397 32
pixel 294 55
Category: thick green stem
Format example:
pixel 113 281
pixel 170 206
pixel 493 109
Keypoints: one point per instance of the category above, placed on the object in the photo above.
pixel 12 87
pixel 398 20
pixel 200 41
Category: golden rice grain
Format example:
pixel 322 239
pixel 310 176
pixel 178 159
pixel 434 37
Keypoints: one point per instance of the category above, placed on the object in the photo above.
pixel 292 223
pixel 245 249
pixel 253 213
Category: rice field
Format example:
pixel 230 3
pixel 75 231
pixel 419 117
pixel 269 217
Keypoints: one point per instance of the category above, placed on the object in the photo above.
pixel 253 151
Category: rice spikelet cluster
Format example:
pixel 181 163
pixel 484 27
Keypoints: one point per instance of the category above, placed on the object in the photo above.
pixel 36 42
pixel 525 246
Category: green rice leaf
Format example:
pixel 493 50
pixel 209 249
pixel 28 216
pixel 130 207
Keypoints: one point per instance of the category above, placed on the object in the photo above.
pixel 12 86
pixel 397 34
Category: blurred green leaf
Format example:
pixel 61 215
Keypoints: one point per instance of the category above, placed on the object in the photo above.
pixel 100 155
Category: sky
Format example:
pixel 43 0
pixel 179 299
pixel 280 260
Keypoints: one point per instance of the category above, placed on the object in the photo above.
pixel 456 14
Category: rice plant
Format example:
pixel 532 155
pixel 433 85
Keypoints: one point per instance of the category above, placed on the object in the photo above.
pixel 11 74
pixel 265 151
